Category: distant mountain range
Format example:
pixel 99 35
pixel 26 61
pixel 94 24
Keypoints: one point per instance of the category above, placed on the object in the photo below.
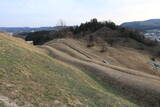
pixel 143 25
pixel 26 29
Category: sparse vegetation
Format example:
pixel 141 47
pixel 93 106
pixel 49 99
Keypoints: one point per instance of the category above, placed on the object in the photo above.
pixel 121 79
pixel 34 78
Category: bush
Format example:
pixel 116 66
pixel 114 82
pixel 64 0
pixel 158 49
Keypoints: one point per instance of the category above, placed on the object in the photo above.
pixel 42 37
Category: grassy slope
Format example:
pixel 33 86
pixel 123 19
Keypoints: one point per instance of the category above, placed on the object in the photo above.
pixel 29 77
pixel 134 83
pixel 117 55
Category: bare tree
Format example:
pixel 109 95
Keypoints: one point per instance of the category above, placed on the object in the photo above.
pixel 61 23
pixel 62 31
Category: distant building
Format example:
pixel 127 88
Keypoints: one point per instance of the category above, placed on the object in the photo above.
pixel 153 35
pixel 8 33
pixel 33 31
pixel 30 42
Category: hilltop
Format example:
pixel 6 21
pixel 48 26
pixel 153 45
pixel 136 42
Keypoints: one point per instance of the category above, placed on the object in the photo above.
pixel 143 25
pixel 103 33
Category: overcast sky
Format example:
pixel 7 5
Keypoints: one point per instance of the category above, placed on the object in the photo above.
pixel 35 13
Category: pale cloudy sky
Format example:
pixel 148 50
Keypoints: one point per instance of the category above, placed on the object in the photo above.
pixel 37 13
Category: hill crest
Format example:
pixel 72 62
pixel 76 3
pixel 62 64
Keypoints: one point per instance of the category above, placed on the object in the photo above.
pixel 143 25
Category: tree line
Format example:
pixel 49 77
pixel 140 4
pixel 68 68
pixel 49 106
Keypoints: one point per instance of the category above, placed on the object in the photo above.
pixel 86 29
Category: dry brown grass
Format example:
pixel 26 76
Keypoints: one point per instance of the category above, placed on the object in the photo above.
pixel 35 77
pixel 128 71
pixel 30 77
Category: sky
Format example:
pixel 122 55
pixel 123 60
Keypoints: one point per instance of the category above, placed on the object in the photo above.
pixel 37 13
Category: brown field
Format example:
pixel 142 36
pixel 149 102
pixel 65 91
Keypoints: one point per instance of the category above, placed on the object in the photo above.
pixel 65 73
pixel 126 69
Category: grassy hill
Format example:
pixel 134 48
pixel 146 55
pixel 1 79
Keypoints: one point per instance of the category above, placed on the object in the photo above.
pixel 29 77
pixel 67 73
pixel 124 70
